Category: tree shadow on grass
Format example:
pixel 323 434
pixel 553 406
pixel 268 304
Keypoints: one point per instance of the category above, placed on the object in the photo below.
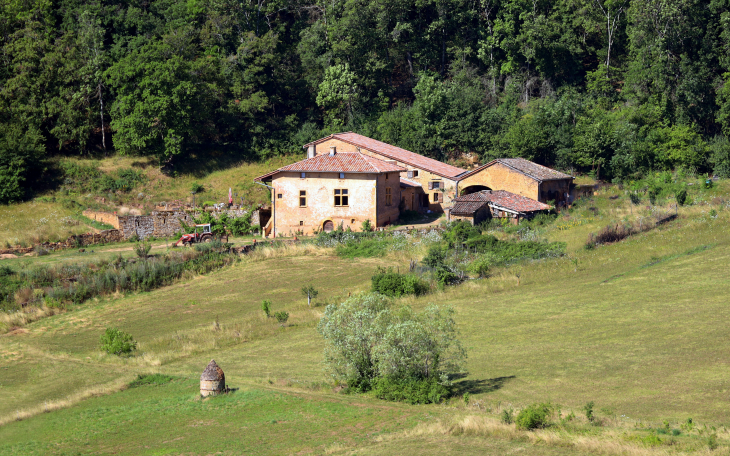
pixel 478 386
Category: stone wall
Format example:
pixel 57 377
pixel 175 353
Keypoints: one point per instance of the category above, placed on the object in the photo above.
pixel 158 224
pixel 80 240
pixel 103 217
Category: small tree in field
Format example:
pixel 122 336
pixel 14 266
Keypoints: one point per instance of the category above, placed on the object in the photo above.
pixel 398 353
pixel 282 317
pixel 309 292
pixel 266 307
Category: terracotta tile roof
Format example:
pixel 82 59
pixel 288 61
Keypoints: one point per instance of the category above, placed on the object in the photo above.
pixel 396 153
pixel 526 167
pixel 517 203
pixel 339 163
pixel 468 204
pixel 466 207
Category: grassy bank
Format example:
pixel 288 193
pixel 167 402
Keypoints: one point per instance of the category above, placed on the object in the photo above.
pixel 632 326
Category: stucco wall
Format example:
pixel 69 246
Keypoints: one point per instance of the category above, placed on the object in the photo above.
pixel 500 177
pixel 291 218
pixel 103 217
pixel 423 178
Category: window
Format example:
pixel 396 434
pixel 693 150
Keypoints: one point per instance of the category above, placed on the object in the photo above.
pixel 435 197
pixel 341 197
pixel 434 185
pixel 301 222
pixel 388 196
pixel 342 175
pixel 415 173
pixel 302 198
pixel 304 175
pixel 386 176
pixel 278 196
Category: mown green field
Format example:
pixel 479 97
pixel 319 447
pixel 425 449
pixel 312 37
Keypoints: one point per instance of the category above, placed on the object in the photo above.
pixel 638 327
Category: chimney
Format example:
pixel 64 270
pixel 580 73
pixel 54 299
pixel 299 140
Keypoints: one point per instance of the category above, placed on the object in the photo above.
pixel 333 150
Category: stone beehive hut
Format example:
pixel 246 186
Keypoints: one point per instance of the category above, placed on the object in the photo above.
pixel 212 380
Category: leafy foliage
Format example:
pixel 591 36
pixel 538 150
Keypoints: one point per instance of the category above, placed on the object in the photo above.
pixel 535 416
pixel 368 342
pixel 390 283
pixel 590 85
pixel 116 342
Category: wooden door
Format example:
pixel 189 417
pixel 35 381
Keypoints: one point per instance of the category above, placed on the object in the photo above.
pixel 329 226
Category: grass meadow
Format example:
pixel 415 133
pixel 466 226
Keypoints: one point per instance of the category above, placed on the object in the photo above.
pixel 637 327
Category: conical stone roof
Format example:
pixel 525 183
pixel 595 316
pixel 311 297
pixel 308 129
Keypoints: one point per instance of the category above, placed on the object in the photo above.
pixel 212 372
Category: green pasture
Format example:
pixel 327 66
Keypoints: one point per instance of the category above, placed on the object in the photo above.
pixel 637 327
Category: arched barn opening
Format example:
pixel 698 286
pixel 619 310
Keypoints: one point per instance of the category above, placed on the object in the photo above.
pixel 328 226
pixel 473 189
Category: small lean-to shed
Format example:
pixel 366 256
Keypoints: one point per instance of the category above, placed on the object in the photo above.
pixel 212 380
pixel 479 206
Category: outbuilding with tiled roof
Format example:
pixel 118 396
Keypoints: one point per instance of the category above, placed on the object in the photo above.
pixel 477 207
pixel 521 177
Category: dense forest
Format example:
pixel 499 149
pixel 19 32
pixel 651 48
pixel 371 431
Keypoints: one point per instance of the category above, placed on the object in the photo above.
pixel 611 87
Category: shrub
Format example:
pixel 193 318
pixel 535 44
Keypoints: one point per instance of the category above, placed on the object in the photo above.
pixel 392 284
pixel 410 390
pixel 535 416
pixel 367 225
pixel 635 198
pixel 589 412
pixel 142 249
pixel 364 248
pixel 150 379
pixel 282 317
pixel 266 307
pixel 197 188
pixel 506 416
pixel 681 196
pixel 435 257
pixel 116 342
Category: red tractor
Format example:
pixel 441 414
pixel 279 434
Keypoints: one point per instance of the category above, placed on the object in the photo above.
pixel 202 233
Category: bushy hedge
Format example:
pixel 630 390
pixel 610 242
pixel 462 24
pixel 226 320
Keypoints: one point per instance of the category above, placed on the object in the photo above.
pixel 75 283
pixel 392 284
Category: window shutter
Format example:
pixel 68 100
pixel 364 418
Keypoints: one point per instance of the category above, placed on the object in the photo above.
pixel 430 185
pixel 441 197
pixel 410 174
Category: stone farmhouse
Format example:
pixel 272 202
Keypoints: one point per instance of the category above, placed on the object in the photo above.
pixel 348 178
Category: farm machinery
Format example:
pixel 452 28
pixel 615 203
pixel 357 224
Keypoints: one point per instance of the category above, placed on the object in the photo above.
pixel 202 233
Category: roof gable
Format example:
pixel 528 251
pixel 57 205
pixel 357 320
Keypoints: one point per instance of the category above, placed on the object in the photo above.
pixel 396 153
pixel 339 163
pixel 525 167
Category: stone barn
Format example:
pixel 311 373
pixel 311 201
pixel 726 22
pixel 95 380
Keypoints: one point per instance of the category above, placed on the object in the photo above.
pixel 521 177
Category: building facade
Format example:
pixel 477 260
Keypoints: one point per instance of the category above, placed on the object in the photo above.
pixel 521 177
pixel 427 184
pixel 333 190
